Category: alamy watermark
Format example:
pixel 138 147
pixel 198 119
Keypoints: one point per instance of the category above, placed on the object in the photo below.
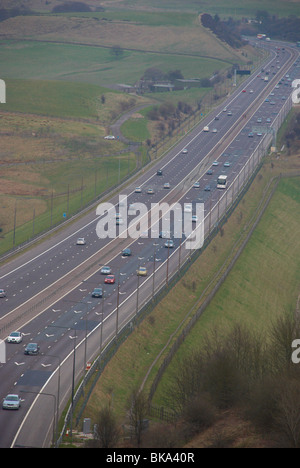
pixel 178 221
pixel 2 92
pixel 296 92
pixel 2 352
pixel 296 354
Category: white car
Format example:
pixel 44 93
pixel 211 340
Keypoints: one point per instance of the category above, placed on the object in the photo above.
pixel 184 151
pixel 2 293
pixel 109 137
pixel 80 241
pixel 14 337
pixel 11 401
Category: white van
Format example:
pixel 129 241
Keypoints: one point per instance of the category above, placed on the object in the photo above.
pixel 206 129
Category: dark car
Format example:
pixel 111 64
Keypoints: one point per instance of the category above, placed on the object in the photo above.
pixel 126 253
pixel 32 348
pixel 209 172
pixel 159 172
pixel 97 292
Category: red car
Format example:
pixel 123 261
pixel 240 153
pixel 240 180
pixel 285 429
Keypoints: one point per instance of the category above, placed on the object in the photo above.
pixel 110 279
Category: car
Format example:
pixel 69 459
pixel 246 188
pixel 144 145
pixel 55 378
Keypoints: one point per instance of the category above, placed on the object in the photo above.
pixel 209 172
pixel 251 91
pixel 2 293
pixel 250 134
pixel 32 349
pixel 225 109
pixel 196 185
pixel 184 151
pixel 119 221
pixel 105 270
pixel 126 252
pixel 109 137
pixel 215 130
pixel 159 172
pixel 243 91
pixel 259 134
pixel 267 100
pixel 229 113
pixel 167 185
pixel 80 241
pixel 227 164
pixel 150 191
pixel 268 120
pixel 169 243
pixel 194 218
pixel 14 337
pixel 142 271
pixel 11 401
pixel 259 120
pixel 138 190
pixel 110 279
pixel 97 292
pixel 206 128
pixel 207 188
pixel 215 163
pixel 217 117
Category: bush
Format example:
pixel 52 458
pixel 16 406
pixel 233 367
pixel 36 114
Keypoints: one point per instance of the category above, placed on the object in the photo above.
pixel 198 414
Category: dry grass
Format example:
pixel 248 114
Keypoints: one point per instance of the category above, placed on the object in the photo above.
pixel 191 40
pixel 230 431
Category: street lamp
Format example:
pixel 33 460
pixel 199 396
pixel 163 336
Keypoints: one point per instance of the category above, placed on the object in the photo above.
pixel 73 372
pixel 118 301
pixel 138 286
pixel 46 394
pixel 58 389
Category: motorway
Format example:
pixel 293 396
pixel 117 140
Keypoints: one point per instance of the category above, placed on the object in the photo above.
pixel 48 288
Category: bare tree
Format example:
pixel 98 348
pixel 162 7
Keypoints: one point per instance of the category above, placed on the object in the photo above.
pixel 107 432
pixel 287 418
pixel 117 51
pixel 138 411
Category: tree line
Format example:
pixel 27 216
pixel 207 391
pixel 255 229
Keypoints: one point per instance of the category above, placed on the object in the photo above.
pixel 249 373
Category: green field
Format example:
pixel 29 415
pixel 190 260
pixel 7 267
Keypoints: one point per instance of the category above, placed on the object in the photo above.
pixel 93 65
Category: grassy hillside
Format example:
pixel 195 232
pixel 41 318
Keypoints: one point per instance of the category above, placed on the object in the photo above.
pixel 185 36
pixel 94 65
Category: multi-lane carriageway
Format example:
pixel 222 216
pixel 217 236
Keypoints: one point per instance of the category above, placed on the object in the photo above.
pixel 49 287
